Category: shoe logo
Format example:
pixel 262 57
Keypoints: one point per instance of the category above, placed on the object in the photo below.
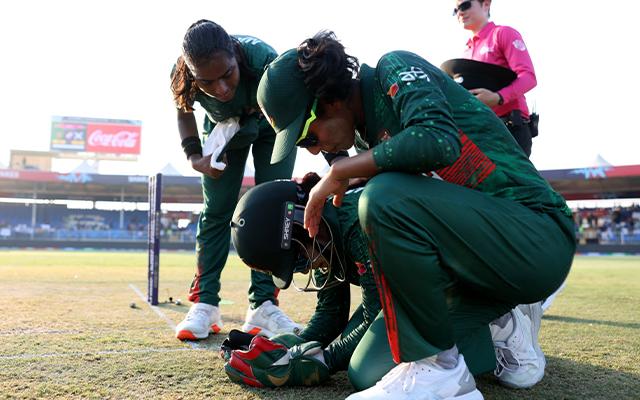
pixel 278 381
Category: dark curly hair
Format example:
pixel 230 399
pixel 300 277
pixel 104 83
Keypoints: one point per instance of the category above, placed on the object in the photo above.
pixel 309 180
pixel 328 69
pixel 204 39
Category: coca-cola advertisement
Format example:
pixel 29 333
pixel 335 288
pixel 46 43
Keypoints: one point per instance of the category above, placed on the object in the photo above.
pixel 113 138
pixel 96 135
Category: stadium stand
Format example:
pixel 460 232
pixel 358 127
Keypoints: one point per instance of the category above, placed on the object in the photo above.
pixel 617 225
pixel 54 225
pixel 58 222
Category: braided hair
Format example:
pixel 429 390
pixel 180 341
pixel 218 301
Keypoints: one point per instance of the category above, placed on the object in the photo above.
pixel 328 69
pixel 204 40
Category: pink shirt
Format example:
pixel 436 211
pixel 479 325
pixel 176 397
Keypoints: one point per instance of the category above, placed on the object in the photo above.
pixel 503 45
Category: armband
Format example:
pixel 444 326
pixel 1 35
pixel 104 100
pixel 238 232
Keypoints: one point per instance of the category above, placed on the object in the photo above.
pixel 191 145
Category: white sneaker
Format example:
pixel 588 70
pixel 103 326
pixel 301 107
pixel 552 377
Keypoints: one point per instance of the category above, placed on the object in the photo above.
pixel 426 380
pixel 269 320
pixel 534 313
pixel 201 320
pixel 520 359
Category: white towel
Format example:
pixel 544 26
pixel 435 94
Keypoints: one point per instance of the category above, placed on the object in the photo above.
pixel 218 139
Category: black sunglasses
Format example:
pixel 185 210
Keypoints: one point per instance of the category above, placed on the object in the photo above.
pixel 309 141
pixel 464 6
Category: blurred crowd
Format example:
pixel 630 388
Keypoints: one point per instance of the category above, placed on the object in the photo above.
pixel 617 225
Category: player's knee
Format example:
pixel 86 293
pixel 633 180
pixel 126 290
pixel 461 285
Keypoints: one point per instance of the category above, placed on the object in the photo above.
pixel 375 199
pixel 359 380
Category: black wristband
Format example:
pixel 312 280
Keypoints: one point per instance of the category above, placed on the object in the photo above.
pixel 191 145
pixel 500 99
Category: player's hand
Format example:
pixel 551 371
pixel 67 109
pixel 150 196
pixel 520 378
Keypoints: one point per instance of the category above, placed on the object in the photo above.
pixel 486 96
pixel 287 339
pixel 202 164
pixel 270 364
pixel 236 340
pixel 327 186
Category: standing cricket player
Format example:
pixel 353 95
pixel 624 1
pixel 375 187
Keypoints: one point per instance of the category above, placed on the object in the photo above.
pixel 221 73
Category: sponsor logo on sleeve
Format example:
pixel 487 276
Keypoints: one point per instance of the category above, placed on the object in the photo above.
pixel 248 39
pixel 519 45
pixel 413 74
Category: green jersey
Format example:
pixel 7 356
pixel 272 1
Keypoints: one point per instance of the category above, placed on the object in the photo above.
pixel 331 316
pixel 418 120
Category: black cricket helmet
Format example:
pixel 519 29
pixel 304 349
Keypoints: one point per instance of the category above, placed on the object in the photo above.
pixel 262 228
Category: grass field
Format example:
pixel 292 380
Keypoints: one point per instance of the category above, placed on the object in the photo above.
pixel 68 331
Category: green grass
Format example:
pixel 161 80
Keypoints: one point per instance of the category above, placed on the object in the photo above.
pixel 67 331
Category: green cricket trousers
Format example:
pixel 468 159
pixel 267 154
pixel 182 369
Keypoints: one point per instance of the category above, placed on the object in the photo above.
pixel 448 260
pixel 220 198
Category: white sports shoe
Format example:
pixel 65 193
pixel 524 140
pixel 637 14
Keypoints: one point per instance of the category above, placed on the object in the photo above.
pixel 424 380
pixel 520 359
pixel 534 312
pixel 269 320
pixel 201 320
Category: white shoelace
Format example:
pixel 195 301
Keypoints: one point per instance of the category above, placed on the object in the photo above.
pixel 503 362
pixel 196 314
pixel 404 373
pixel 281 319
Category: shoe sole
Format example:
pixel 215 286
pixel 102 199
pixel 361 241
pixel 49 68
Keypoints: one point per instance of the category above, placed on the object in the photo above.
pixel 256 330
pixel 532 382
pixel 188 335
pixel 475 395
pixel 527 385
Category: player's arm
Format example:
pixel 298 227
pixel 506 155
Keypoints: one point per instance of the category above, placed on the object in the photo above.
pixel 517 55
pixel 331 314
pixel 191 145
pixel 338 354
pixel 429 137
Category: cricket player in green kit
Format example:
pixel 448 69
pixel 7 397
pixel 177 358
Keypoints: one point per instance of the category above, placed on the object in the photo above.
pixel 461 227
pixel 221 73
pixel 333 261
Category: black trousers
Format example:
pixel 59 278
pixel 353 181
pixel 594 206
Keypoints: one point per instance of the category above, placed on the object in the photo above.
pixel 522 134
pixel 520 130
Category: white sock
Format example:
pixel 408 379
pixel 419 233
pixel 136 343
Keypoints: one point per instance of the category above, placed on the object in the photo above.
pixel 448 359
